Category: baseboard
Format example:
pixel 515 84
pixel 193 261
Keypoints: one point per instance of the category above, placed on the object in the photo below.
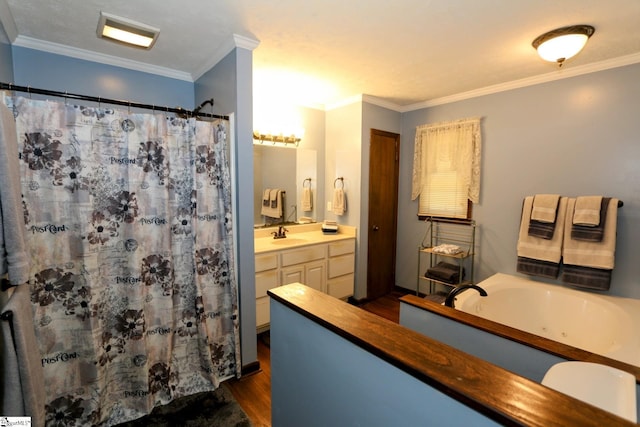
pixel 250 368
pixel 351 300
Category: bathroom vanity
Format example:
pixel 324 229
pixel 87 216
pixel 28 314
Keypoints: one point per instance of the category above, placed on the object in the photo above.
pixel 325 262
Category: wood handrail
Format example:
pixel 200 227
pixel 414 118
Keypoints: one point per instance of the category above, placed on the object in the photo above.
pixel 505 397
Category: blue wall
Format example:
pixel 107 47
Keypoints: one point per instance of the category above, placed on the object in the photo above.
pixel 230 81
pixel 320 379
pixel 6 59
pixel 65 74
pixel 576 136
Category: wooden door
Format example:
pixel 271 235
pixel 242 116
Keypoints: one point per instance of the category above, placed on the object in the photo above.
pixel 384 149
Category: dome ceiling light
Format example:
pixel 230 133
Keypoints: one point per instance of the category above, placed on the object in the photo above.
pixel 563 43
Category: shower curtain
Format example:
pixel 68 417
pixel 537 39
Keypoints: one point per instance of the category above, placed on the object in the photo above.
pixel 128 220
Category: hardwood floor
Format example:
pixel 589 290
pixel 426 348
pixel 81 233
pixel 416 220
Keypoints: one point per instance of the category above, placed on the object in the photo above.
pixel 253 392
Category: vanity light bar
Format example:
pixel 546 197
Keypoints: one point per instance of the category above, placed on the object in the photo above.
pixel 292 139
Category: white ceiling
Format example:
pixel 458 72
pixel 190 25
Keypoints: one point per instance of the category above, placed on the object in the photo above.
pixel 404 53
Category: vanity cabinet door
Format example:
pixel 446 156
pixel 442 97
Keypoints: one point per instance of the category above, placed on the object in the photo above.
pixel 341 287
pixel 293 274
pixel 266 278
pixel 312 274
pixel 315 275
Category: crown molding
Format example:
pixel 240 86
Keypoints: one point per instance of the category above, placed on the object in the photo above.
pixel 343 103
pixel 370 99
pixel 236 41
pixel 563 73
pixel 87 55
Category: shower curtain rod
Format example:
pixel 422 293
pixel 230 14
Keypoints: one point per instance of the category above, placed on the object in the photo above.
pixel 179 111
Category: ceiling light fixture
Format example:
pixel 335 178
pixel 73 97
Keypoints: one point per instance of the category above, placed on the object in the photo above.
pixel 126 31
pixel 562 43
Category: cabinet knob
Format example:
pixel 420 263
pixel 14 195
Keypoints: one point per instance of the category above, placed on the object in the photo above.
pixel 376 228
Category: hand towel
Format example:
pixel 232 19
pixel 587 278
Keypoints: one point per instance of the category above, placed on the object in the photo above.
pixel 536 256
pixel 22 382
pixel 589 233
pixel 13 252
pixel 339 201
pixel 589 264
pixel 306 203
pixel 273 198
pixel 266 202
pixel 587 211
pixel 543 215
pixel 545 207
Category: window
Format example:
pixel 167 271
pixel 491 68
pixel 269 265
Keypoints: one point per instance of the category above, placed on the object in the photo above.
pixel 446 168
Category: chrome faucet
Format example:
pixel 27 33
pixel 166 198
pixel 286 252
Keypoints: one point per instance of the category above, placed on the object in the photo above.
pixel 280 234
pixel 449 302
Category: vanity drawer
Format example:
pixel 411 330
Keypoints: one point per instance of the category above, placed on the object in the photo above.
pixel 266 280
pixel 266 262
pixel 304 254
pixel 342 247
pixel 341 265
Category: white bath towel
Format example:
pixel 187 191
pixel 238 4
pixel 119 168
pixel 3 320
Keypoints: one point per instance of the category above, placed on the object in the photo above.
pixel 592 254
pixel 339 202
pixel 587 211
pixel 13 253
pixel 306 202
pixel 273 209
pixel 23 379
pixel 536 248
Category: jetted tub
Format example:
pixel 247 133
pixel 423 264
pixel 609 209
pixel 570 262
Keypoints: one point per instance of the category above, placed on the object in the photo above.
pixel 600 324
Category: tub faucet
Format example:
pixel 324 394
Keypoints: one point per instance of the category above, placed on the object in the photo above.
pixel 449 302
pixel 281 233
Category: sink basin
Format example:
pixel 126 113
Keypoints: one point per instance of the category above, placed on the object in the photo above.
pixel 603 386
pixel 288 241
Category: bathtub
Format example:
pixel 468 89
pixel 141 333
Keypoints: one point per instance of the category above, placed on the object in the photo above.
pixel 597 323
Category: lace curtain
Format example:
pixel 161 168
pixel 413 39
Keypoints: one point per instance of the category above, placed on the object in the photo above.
pixel 128 220
pixel 447 153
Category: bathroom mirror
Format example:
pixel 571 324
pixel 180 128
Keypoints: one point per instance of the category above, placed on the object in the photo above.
pixel 286 169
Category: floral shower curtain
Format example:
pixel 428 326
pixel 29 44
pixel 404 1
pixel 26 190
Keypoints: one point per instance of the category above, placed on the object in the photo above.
pixel 129 228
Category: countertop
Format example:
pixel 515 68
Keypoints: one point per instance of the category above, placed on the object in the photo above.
pixel 299 236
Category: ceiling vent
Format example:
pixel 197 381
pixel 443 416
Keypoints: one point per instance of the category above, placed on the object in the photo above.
pixel 126 31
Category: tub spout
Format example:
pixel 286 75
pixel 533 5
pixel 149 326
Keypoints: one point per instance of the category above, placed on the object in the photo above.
pixel 449 302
